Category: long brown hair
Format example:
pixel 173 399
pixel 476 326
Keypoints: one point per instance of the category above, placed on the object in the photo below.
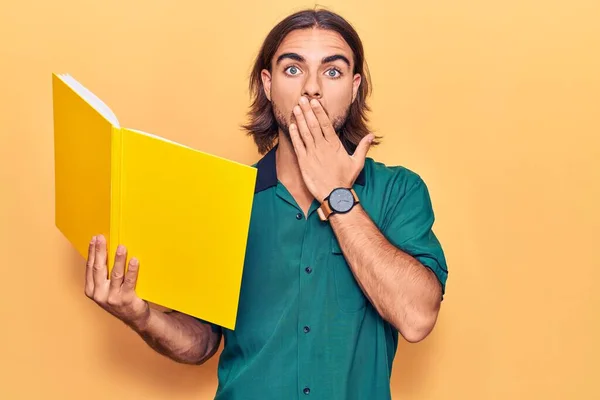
pixel 263 125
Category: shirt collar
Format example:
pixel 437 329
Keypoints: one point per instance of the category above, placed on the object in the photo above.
pixel 267 172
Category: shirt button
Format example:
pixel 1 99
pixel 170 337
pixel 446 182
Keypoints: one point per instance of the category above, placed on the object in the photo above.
pixel 308 270
pixel 306 390
pixel 298 216
pixel 306 329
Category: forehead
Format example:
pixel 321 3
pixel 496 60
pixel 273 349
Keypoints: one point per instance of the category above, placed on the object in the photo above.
pixel 314 44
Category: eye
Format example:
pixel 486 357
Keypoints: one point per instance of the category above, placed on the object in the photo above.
pixel 292 70
pixel 334 73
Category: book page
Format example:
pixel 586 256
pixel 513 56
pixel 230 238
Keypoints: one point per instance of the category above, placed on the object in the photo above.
pixel 91 98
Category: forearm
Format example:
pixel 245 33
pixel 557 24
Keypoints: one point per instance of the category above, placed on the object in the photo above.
pixel 401 289
pixel 178 336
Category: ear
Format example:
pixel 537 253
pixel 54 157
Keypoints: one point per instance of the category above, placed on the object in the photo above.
pixel 355 86
pixel 265 75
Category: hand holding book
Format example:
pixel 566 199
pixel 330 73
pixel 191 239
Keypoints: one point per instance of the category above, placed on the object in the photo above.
pixel 115 294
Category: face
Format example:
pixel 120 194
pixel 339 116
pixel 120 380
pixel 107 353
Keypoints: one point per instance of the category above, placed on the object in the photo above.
pixel 315 63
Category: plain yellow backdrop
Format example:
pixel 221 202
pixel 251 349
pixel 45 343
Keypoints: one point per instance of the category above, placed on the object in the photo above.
pixel 495 104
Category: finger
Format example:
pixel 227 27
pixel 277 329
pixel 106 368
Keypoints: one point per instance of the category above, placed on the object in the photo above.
pixel 118 270
pixel 131 275
pixel 363 148
pixel 297 141
pixel 305 134
pixel 311 120
pixel 89 268
pixel 100 272
pixel 324 122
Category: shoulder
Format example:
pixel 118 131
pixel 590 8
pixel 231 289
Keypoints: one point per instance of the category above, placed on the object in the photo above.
pixel 393 179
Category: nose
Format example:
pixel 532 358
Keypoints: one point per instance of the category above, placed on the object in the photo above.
pixel 312 87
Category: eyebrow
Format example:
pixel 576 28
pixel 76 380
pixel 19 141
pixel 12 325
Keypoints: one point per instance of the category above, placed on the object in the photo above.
pixel 299 58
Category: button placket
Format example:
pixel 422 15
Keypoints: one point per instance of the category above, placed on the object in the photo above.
pixel 306 276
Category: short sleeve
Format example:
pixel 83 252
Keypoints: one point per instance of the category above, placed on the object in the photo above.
pixel 408 225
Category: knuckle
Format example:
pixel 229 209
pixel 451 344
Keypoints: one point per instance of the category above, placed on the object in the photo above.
pixel 113 301
pixel 117 275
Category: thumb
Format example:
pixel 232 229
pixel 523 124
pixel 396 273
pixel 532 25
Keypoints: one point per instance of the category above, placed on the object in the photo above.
pixel 363 147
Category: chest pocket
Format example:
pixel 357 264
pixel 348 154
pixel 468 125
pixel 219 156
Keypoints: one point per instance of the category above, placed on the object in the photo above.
pixel 349 295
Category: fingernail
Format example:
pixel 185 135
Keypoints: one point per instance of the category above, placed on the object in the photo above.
pixel 120 249
pixel 303 100
pixel 314 102
pixel 134 262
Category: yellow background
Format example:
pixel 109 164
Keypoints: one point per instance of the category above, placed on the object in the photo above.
pixel 495 104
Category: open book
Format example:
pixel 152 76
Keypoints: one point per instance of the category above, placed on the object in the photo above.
pixel 183 213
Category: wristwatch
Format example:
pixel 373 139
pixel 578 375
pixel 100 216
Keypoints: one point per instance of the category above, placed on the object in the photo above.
pixel 339 201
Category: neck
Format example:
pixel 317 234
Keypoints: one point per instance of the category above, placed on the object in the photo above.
pixel 288 170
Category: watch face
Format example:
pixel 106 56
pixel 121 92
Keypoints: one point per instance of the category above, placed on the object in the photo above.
pixel 341 200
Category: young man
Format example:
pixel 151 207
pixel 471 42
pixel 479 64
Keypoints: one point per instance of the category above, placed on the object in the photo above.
pixel 341 254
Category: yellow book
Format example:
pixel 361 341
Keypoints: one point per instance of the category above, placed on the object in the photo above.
pixel 183 213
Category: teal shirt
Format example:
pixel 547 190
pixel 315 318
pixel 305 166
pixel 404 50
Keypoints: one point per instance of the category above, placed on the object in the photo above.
pixel 304 328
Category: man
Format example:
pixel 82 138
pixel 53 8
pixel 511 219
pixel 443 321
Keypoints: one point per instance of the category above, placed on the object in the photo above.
pixel 341 256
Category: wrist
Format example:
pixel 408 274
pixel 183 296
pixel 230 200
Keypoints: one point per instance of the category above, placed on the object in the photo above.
pixel 141 322
pixel 340 216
